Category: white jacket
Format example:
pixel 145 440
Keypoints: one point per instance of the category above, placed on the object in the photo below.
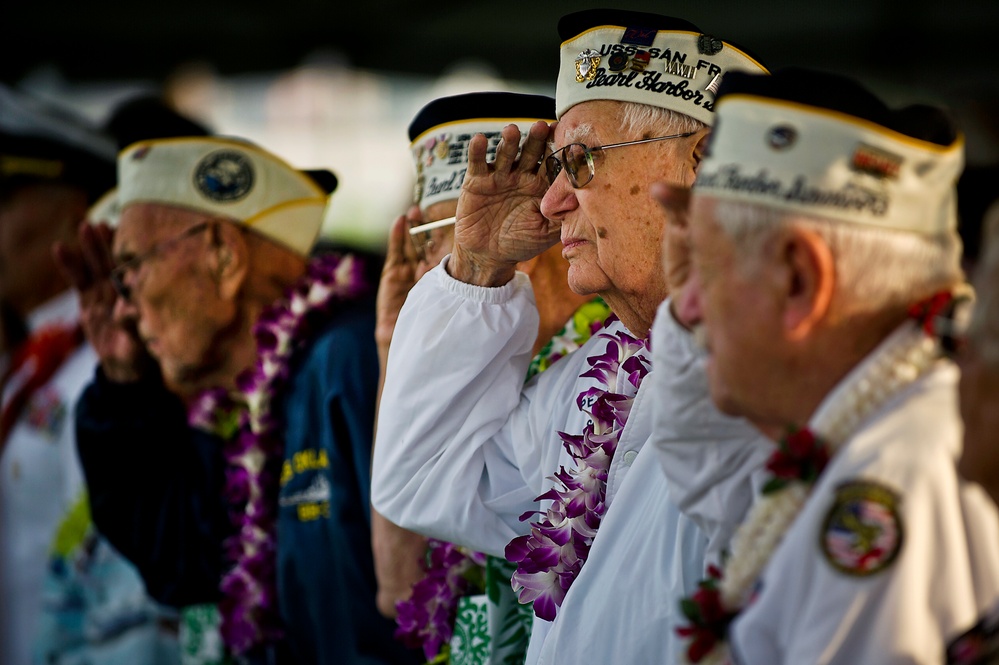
pixel 463 448
pixel 714 463
pixel 945 573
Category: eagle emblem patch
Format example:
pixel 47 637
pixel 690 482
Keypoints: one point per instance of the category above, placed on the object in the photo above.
pixel 862 533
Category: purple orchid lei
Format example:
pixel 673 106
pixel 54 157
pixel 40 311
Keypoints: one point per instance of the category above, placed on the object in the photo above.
pixel 427 618
pixel 254 447
pixel 550 557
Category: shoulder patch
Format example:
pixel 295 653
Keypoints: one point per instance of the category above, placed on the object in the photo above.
pixel 862 533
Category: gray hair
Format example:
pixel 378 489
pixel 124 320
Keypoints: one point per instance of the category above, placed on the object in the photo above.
pixel 984 327
pixel 655 120
pixel 876 268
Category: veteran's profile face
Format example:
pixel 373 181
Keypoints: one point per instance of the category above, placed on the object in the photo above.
pixel 174 300
pixel 733 317
pixel 612 229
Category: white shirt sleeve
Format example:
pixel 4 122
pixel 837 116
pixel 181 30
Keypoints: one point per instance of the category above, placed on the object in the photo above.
pixel 453 426
pixel 714 463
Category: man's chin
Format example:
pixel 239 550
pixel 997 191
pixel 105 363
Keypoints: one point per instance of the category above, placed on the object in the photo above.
pixel 184 380
pixel 579 283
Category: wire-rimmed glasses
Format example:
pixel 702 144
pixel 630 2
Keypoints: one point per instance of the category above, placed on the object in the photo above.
pixel 576 159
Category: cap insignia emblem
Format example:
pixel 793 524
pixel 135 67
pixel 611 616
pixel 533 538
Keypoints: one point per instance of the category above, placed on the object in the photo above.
pixel 708 45
pixel 781 137
pixel 715 84
pixel 873 161
pixel 586 65
pixel 224 176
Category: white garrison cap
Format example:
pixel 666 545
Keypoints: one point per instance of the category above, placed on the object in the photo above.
pixel 226 177
pixel 620 55
pixel 440 133
pixel 821 145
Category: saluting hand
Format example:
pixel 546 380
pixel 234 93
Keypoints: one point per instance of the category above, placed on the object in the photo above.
pixel 399 273
pixel 87 267
pixel 499 220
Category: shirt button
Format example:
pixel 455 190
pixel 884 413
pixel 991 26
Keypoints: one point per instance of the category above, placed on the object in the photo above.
pixel 630 456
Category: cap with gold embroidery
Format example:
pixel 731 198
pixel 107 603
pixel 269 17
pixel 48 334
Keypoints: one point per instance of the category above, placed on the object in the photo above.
pixel 440 133
pixel 822 145
pixel 620 55
pixel 231 178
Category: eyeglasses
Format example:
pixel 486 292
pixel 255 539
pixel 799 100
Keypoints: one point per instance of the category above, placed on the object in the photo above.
pixel 119 272
pixel 423 240
pixel 573 157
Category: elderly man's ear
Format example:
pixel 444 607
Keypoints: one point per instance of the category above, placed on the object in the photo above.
pixel 700 149
pixel 805 277
pixel 229 259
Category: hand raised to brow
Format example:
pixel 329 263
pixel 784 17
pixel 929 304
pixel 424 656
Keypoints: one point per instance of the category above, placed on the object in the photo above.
pixel 399 274
pixel 87 268
pixel 499 210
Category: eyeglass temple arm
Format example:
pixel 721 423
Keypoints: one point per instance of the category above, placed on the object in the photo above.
pixel 429 226
pixel 654 138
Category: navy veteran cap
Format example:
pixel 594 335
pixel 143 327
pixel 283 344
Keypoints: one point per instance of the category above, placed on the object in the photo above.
pixel 440 133
pixel 230 178
pixel 626 56
pixel 822 145
pixel 42 142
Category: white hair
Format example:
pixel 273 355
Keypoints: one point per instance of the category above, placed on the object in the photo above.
pixel 984 327
pixel 656 121
pixel 876 268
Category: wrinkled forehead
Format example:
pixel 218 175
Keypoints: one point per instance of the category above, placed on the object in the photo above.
pixel 143 224
pixel 589 122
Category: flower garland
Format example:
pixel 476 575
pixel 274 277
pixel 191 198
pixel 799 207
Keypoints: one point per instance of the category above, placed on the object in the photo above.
pixel 254 447
pixel 796 465
pixel 550 557
pixel 427 618
pixel 584 323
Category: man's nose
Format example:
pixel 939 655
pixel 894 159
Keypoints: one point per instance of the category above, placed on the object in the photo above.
pixel 560 199
pixel 124 309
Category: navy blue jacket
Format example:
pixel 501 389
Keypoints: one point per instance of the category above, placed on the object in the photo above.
pixel 156 493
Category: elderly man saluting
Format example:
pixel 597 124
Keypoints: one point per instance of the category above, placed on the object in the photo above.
pixel 464 449
pixel 825 258
pixel 248 452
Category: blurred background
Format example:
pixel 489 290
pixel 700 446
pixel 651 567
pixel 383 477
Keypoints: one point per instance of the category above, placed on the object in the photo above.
pixel 335 84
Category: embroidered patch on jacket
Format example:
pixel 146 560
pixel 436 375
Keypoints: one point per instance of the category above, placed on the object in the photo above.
pixel 862 533
pixel 978 646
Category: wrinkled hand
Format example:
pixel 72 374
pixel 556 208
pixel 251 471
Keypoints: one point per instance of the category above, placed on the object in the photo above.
pixel 399 274
pixel 87 268
pixel 499 210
